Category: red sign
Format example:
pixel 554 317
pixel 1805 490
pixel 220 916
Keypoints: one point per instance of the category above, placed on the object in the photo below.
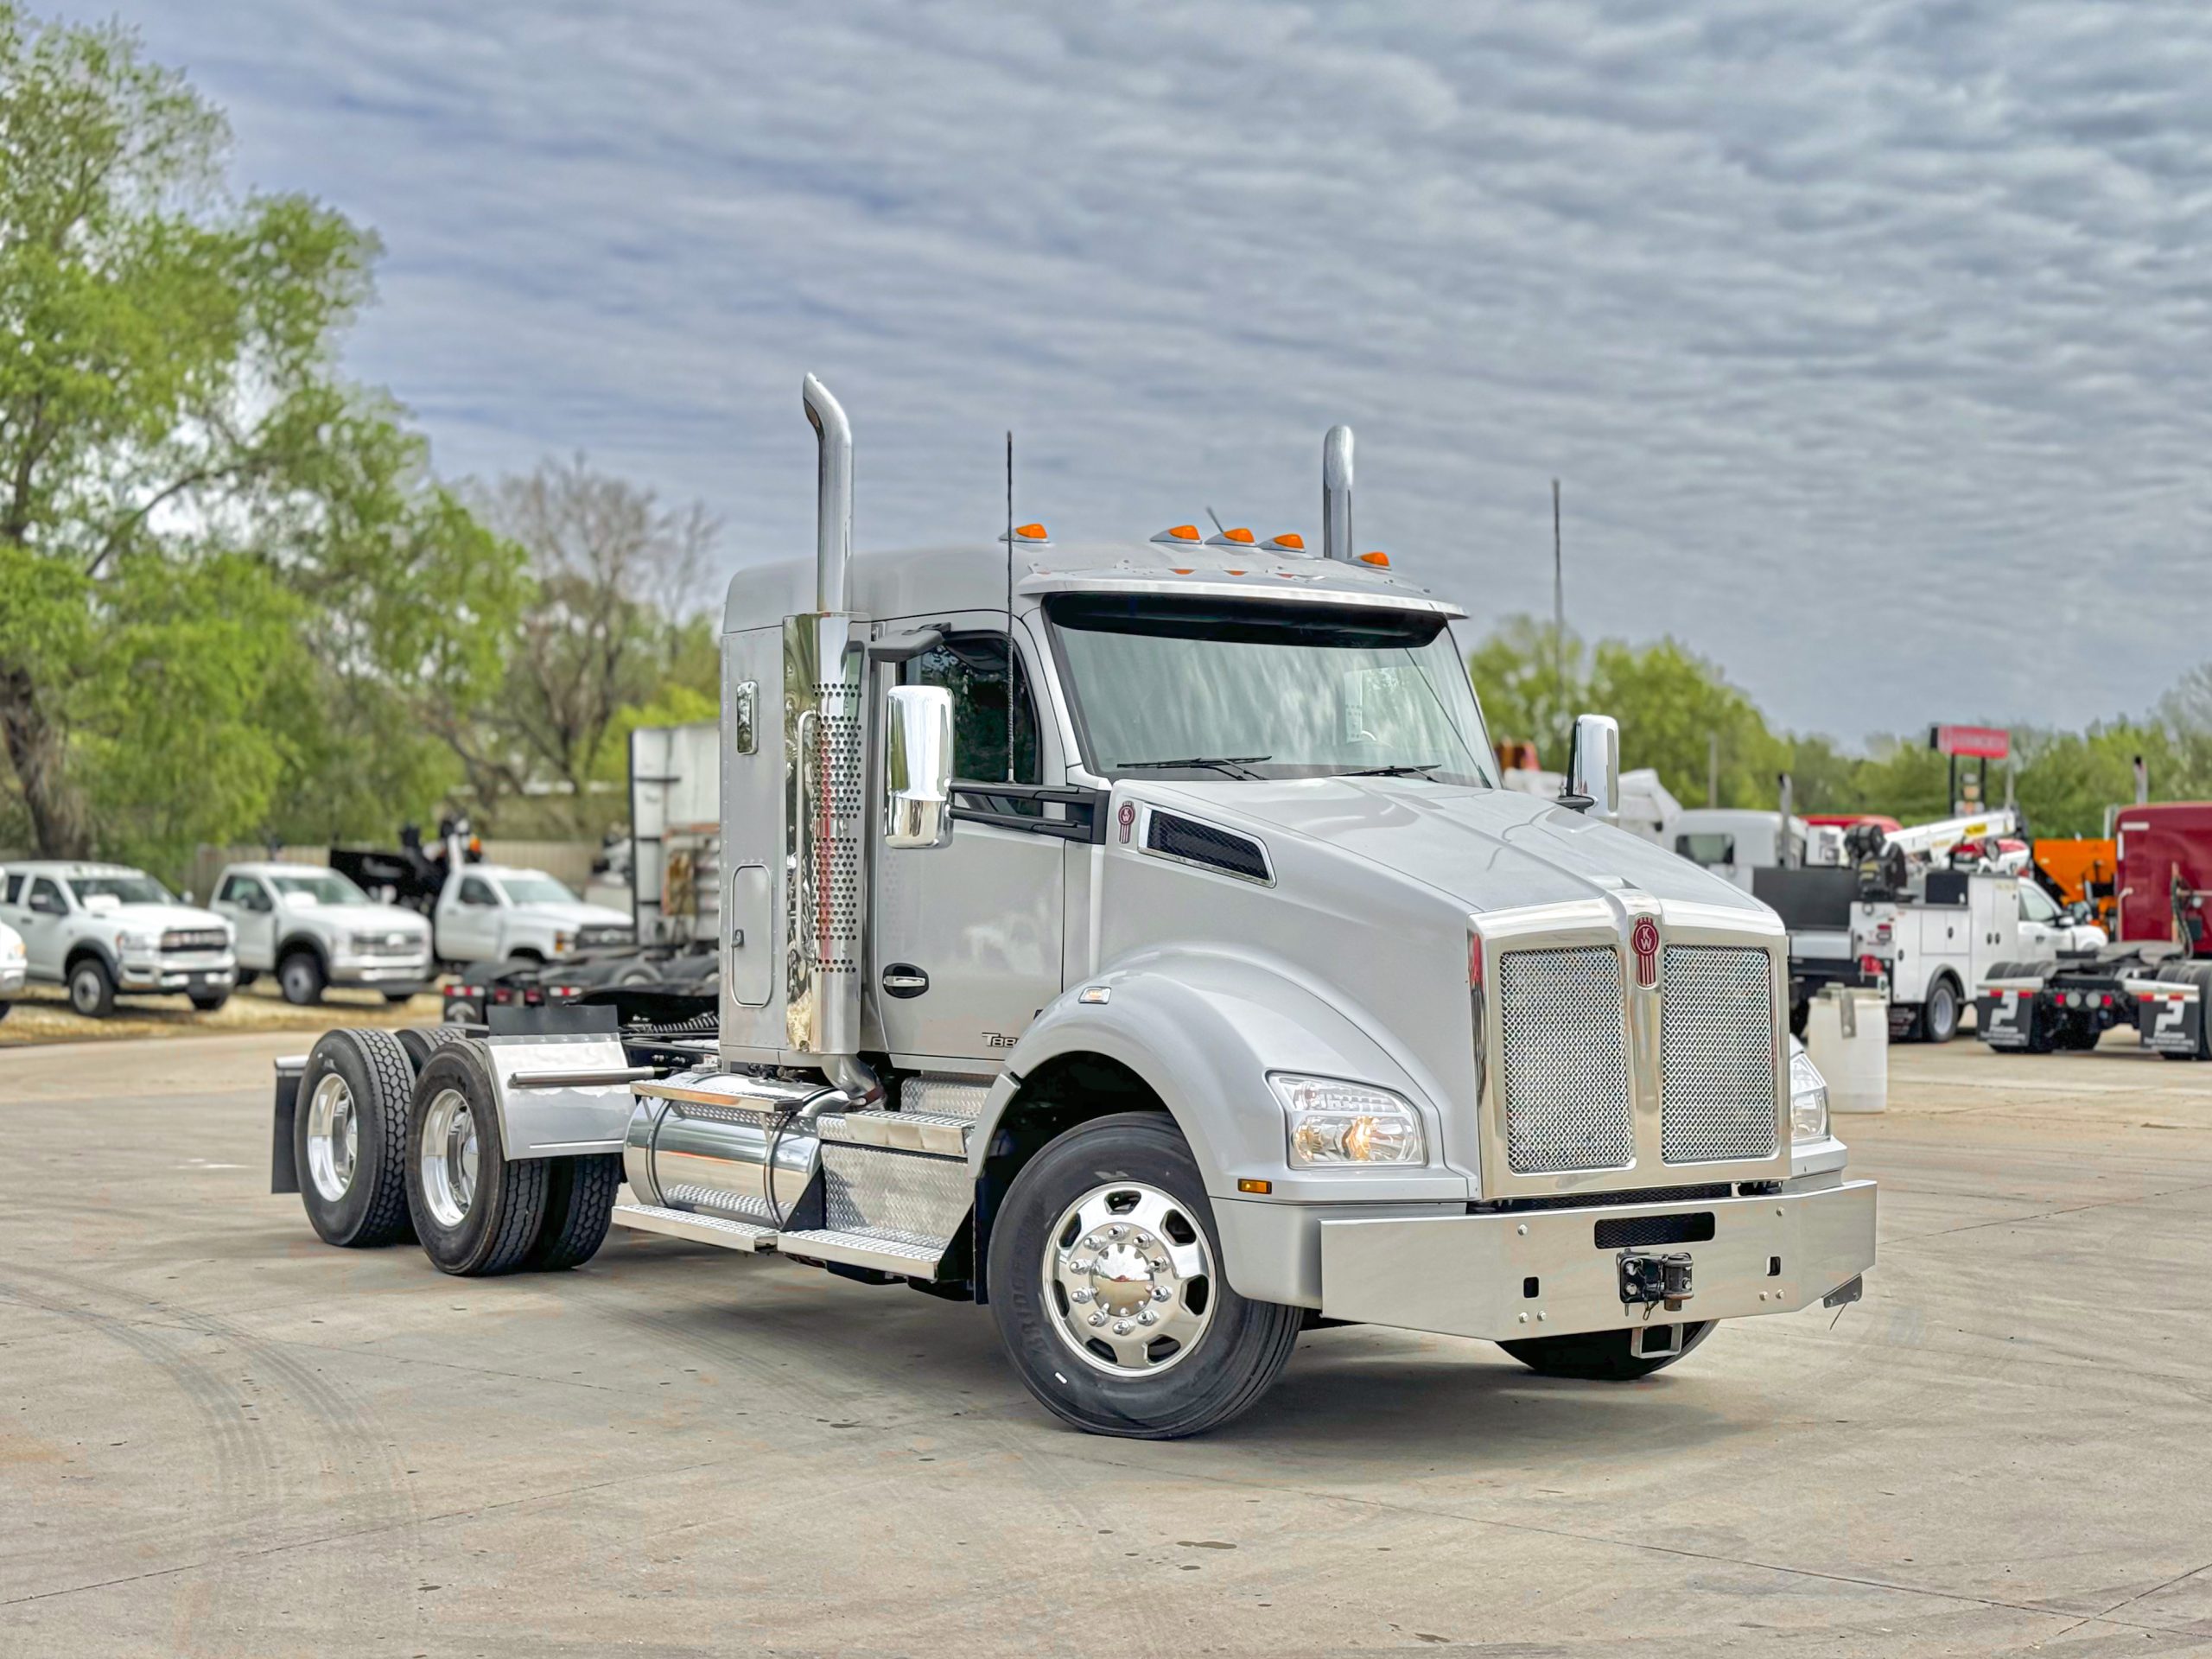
pixel 1644 941
pixel 1985 742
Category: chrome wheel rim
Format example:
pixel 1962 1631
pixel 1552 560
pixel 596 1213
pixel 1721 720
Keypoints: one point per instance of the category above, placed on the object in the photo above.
pixel 293 981
pixel 333 1137
pixel 1128 1279
pixel 449 1157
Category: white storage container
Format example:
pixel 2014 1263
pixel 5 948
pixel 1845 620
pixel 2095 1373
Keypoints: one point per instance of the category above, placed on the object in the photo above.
pixel 1847 1034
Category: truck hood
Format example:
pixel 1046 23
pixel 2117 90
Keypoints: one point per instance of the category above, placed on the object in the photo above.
pixel 1488 849
pixel 149 919
pixel 362 918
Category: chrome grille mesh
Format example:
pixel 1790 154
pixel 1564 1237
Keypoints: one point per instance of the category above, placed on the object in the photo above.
pixel 1716 1039
pixel 1566 1060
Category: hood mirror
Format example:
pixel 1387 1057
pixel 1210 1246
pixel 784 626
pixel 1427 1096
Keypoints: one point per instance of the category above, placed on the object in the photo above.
pixel 1593 768
pixel 917 767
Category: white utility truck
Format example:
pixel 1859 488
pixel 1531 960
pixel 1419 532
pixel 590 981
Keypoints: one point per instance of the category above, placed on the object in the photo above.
pixel 313 928
pixel 1136 938
pixel 100 929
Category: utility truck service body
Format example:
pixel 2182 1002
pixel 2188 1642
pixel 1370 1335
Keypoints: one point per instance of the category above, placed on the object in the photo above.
pixel 1137 939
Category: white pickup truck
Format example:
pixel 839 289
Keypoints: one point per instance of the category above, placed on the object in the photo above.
pixel 313 928
pixel 492 912
pixel 101 929
pixel 14 968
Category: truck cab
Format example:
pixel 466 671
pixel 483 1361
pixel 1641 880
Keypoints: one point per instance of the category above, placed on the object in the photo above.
pixel 313 928
pixel 104 929
pixel 1134 937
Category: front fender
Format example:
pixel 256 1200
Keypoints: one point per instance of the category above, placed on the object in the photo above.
pixel 1203 1028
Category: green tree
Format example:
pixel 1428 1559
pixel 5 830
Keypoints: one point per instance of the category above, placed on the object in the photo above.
pixel 1673 705
pixel 1531 689
pixel 210 545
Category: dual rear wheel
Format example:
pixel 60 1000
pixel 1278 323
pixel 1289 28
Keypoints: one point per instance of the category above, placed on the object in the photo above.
pixel 398 1134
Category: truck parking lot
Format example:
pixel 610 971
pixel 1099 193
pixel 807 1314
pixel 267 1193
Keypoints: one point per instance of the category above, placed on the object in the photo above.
pixel 219 1436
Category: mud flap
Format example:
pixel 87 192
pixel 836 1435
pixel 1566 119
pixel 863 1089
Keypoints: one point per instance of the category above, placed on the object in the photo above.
pixel 2006 1019
pixel 283 1172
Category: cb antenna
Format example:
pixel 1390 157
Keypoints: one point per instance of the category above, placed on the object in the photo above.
pixel 1011 661
pixel 1220 528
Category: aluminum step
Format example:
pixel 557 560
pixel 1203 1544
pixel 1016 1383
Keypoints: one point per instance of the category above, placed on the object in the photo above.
pixel 939 1134
pixel 885 1253
pixel 700 1230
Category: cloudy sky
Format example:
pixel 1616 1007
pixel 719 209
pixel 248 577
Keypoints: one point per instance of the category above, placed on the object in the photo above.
pixel 1870 339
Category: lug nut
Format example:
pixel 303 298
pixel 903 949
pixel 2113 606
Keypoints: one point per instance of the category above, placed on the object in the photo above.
pixel 1098 1318
pixel 1160 1293
pixel 1144 1241
pixel 1121 1327
pixel 1082 1266
pixel 1147 1318
pixel 1078 1295
pixel 1112 1232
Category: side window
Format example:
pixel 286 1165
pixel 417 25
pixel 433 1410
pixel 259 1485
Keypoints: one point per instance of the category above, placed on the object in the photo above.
pixel 973 667
pixel 13 891
pixel 46 896
pixel 474 890
pixel 237 890
pixel 2036 906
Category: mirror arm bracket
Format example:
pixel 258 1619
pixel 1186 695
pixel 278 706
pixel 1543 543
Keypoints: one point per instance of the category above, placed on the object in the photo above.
pixel 904 647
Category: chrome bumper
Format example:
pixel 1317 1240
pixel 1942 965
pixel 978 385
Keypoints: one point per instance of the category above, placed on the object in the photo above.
pixel 178 973
pixel 1470 1276
pixel 381 970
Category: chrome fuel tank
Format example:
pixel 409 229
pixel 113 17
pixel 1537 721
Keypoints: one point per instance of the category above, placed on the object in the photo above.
pixel 703 1143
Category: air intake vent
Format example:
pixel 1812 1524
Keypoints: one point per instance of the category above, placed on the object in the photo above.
pixel 1204 845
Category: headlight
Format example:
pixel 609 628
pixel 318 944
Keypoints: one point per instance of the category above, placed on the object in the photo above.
pixel 1808 1099
pixel 143 943
pixel 1334 1124
pixel 12 949
pixel 563 943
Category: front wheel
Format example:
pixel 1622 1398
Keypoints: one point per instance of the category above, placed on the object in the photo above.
pixel 91 988
pixel 300 976
pixel 1599 1356
pixel 206 1001
pixel 1105 1280
pixel 476 1213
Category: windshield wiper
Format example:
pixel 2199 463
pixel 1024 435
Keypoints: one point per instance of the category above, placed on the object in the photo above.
pixel 1231 764
pixel 1398 770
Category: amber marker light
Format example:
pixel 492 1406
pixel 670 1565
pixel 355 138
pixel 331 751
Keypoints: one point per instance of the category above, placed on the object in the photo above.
pixel 1246 1184
pixel 1381 561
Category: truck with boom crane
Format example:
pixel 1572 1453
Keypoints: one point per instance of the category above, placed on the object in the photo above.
pixel 1133 938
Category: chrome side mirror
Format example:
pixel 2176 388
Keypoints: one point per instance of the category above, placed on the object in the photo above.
pixel 917 767
pixel 1593 768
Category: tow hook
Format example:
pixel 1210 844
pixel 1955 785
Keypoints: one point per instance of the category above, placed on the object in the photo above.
pixel 1649 1280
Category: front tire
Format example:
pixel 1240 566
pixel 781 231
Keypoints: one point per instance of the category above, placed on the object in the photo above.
pixel 206 1001
pixel 349 1138
pixel 300 976
pixel 476 1213
pixel 91 988
pixel 1599 1356
pixel 1105 1280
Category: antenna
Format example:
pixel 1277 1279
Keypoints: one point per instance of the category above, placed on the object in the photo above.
pixel 1012 660
pixel 1220 528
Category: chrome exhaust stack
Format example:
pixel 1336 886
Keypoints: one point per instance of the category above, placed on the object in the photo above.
pixel 1336 494
pixel 824 744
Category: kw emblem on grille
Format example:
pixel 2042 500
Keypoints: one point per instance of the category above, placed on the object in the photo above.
pixel 1644 939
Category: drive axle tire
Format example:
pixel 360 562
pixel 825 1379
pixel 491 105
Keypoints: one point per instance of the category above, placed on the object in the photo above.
pixel 422 1041
pixel 476 1213
pixel 1598 1356
pixel 91 988
pixel 579 1210
pixel 349 1138
pixel 1105 1280
pixel 301 978
pixel 1939 1014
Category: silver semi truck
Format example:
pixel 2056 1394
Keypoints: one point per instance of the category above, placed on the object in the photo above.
pixel 1135 938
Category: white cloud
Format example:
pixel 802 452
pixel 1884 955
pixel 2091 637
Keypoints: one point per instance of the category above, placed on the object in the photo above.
pixel 1869 337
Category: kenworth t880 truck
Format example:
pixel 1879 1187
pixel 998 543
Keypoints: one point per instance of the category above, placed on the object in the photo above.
pixel 1135 939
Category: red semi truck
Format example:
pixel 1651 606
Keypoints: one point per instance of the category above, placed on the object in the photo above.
pixel 2157 975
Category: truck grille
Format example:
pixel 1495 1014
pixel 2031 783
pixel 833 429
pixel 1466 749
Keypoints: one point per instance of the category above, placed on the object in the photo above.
pixel 1566 1060
pixel 1716 1040
pixel 197 938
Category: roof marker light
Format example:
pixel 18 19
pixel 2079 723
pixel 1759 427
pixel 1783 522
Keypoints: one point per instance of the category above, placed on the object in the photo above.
pixel 1381 561
pixel 1178 533
pixel 1289 541
pixel 1237 537
pixel 1030 535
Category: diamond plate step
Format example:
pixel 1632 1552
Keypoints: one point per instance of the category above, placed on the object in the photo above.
pixel 700 1230
pixel 886 1254
pixel 940 1134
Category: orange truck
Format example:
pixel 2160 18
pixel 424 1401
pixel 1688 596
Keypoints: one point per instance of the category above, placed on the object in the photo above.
pixel 2082 871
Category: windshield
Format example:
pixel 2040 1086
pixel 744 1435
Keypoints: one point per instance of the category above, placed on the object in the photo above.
pixel 1261 689
pixel 124 889
pixel 323 887
pixel 535 890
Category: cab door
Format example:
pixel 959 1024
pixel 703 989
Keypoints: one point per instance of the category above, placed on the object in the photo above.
pixel 468 919
pixel 43 920
pixel 967 935
pixel 247 904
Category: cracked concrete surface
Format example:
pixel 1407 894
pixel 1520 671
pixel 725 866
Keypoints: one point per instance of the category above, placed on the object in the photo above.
pixel 218 1437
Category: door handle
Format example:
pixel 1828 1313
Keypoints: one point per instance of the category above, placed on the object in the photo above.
pixel 903 979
